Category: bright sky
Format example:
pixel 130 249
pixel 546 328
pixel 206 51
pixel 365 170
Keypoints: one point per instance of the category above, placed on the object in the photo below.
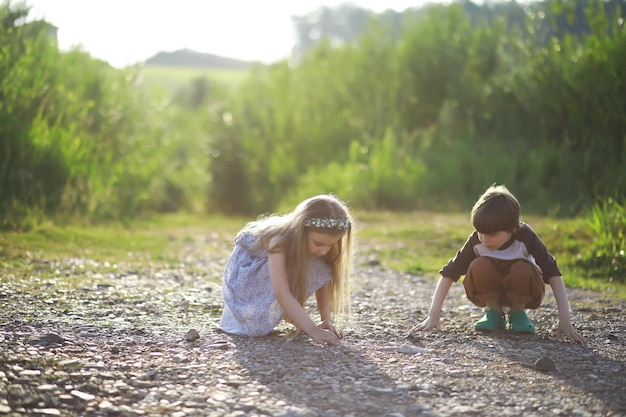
pixel 124 32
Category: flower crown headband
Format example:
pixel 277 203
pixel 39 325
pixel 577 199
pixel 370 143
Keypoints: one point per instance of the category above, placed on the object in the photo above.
pixel 328 223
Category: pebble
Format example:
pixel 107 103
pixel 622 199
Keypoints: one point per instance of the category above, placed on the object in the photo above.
pixel 82 395
pixel 408 349
pixel 47 411
pixel 191 335
pixel 545 363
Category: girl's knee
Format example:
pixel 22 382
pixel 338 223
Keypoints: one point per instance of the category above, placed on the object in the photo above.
pixel 319 274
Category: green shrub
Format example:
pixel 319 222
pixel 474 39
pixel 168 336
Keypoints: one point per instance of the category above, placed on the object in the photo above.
pixel 383 177
pixel 607 257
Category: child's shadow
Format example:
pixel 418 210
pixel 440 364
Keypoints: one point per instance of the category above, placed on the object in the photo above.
pixel 534 361
pixel 308 379
pixel 583 367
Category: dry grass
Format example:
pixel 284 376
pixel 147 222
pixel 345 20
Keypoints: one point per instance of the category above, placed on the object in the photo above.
pixel 416 242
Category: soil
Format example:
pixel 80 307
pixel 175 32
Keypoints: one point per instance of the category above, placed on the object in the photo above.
pixel 86 338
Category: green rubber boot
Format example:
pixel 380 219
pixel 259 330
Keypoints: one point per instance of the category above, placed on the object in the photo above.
pixel 520 323
pixel 492 320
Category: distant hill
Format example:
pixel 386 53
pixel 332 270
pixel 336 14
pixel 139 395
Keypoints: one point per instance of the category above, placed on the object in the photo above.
pixel 189 58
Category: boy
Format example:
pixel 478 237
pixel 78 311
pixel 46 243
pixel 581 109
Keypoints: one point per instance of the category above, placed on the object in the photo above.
pixel 505 264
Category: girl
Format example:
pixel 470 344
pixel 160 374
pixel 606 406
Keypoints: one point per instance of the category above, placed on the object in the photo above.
pixel 279 261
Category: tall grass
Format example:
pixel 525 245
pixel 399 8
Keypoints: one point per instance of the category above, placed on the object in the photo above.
pixel 607 257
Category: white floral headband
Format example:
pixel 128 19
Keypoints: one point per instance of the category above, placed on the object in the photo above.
pixel 328 223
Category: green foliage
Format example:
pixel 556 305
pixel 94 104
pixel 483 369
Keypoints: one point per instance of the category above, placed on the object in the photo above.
pixel 473 96
pixel 32 169
pixel 383 177
pixel 80 141
pixel 607 257
pixel 169 81
pixel 431 56
pixel 424 114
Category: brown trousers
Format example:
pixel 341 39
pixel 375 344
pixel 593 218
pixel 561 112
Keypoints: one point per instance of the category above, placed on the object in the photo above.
pixel 509 282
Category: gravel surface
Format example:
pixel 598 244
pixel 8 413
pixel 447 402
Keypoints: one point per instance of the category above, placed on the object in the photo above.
pixel 82 338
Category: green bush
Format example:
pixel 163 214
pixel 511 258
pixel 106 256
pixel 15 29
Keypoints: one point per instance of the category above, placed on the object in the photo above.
pixel 422 116
pixel 80 140
pixel 607 257
pixel 385 177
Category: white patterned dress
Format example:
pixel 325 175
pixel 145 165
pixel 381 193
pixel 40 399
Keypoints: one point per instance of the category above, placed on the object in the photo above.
pixel 250 307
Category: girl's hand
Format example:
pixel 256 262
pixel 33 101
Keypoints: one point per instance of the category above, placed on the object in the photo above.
pixel 570 332
pixel 429 324
pixel 324 337
pixel 328 325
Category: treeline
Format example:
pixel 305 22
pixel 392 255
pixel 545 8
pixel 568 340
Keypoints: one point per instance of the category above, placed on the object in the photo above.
pixel 348 21
pixel 425 117
pixel 430 114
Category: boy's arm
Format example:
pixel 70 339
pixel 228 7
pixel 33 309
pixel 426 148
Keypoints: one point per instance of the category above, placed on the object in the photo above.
pixel 450 273
pixel 565 321
pixel 433 322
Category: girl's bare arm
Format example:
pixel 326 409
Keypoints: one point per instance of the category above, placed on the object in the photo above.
pixel 289 303
pixel 323 304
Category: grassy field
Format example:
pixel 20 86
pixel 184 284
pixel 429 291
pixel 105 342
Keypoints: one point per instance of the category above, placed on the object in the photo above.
pixel 168 80
pixel 419 242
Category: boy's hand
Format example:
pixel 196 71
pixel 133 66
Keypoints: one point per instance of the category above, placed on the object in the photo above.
pixel 429 324
pixel 570 332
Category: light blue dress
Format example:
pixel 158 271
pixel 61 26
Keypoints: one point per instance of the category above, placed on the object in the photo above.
pixel 250 307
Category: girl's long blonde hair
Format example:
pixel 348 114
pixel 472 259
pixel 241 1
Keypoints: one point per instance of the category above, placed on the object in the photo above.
pixel 292 240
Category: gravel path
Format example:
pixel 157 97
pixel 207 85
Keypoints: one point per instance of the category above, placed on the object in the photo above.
pixel 93 339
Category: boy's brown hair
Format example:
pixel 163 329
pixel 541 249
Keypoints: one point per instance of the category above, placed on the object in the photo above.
pixel 497 210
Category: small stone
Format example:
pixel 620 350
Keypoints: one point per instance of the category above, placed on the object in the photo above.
pixel 83 395
pixel 545 363
pixel 222 344
pixel 105 405
pixel 70 363
pixel 46 339
pixel 192 335
pixel 381 391
pixel 409 349
pixel 30 372
pixel 47 411
pixel 180 358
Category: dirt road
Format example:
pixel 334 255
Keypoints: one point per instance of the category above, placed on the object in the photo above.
pixel 80 338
